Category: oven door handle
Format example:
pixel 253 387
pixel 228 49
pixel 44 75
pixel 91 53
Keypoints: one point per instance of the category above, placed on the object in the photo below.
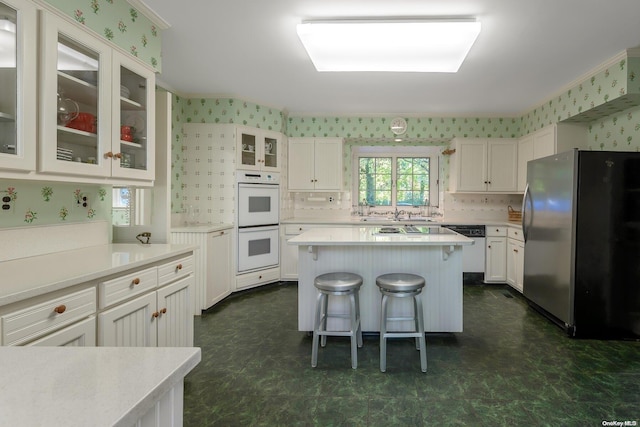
pixel 252 228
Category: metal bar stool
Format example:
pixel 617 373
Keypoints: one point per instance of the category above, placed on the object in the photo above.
pixel 402 285
pixel 337 284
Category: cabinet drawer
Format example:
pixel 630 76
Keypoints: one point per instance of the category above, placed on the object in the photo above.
pixel 257 278
pixel 124 287
pixel 495 231
pixel 37 320
pixel 174 270
pixel 516 233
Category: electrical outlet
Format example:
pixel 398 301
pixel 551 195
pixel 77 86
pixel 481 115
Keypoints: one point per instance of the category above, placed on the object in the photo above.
pixel 7 202
pixel 82 201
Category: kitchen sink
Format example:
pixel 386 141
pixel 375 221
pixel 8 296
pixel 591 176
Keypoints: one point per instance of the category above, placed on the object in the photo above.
pixel 400 219
pixel 408 230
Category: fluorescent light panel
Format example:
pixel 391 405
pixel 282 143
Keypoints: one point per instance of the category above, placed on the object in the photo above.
pixel 433 45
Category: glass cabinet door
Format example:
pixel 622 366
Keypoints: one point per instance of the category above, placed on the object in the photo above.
pixel 248 149
pixel 76 115
pixel 133 122
pixel 17 83
pixel 271 141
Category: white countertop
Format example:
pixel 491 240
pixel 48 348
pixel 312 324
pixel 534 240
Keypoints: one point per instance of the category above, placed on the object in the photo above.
pixel 32 276
pixel 332 236
pixel 373 221
pixel 201 228
pixel 87 386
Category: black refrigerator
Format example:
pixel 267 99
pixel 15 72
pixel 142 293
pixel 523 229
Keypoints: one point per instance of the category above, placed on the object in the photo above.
pixel 581 224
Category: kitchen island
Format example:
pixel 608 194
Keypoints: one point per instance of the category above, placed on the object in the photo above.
pixel 434 253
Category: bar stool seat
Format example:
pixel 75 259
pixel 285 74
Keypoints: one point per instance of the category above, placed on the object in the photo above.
pixel 402 285
pixel 337 284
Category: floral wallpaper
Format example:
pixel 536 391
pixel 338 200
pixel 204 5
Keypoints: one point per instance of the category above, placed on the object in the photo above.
pixel 608 103
pixel 41 203
pixel 118 22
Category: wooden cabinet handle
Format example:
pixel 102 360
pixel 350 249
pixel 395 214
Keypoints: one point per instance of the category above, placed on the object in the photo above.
pixel 109 154
pixel 179 267
pixel 155 314
pixel 515 250
pixel 60 309
pixel 117 156
pixel 163 311
pixel 221 233
pixel 489 247
pixel 135 281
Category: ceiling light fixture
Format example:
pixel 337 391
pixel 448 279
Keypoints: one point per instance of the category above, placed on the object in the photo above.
pixel 401 45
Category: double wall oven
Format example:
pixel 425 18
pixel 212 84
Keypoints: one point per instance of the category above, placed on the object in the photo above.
pixel 258 218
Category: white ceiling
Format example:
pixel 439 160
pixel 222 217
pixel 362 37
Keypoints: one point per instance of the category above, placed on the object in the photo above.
pixel 527 52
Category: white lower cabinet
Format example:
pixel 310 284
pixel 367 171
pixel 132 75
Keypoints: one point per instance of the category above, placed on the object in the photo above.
pixel 81 334
pixel 174 316
pixel 515 259
pixel 160 317
pixel 38 318
pixel 130 324
pixel 496 255
pixel 220 262
pixel 213 264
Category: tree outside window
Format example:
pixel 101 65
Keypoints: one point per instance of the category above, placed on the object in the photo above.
pixel 377 176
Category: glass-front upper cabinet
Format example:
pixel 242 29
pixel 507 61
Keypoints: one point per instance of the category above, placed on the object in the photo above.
pixel 133 124
pixel 17 85
pixel 258 149
pixel 75 116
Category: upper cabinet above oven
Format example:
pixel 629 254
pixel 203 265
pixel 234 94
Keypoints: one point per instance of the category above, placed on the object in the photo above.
pixel 258 149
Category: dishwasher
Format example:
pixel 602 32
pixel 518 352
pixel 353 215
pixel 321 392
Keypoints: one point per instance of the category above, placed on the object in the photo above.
pixel 472 255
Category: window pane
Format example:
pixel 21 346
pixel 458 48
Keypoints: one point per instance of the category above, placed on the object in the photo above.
pixel 413 180
pixel 374 181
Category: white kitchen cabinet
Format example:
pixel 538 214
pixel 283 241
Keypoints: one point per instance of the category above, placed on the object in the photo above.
pixel 131 324
pixel 133 119
pixel 515 259
pixel 81 334
pixel 547 141
pixel 175 314
pixel 258 149
pixel 159 315
pixel 88 90
pixel 219 267
pixel 484 165
pixel 495 255
pixel 213 263
pixel 18 81
pixel 315 164
pixel 289 253
pixel 37 318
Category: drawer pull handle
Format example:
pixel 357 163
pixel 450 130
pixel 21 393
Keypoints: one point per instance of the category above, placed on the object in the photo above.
pixel 179 267
pixel 155 314
pixel 515 250
pixel 135 281
pixel 60 309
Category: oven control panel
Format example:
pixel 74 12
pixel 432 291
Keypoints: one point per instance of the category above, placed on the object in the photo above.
pixel 258 177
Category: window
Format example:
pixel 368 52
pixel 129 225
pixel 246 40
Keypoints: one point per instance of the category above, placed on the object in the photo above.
pixel 408 177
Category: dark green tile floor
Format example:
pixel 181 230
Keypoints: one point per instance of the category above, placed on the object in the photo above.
pixel 510 366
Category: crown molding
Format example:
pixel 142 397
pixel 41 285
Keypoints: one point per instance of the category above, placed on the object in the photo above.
pixel 143 8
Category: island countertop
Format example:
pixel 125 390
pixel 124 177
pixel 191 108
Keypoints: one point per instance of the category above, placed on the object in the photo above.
pixel 330 236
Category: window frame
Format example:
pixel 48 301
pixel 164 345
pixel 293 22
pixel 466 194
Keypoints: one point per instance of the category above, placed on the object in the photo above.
pixel 432 152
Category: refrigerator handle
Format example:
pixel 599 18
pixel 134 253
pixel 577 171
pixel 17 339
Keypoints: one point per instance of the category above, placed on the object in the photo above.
pixel 526 213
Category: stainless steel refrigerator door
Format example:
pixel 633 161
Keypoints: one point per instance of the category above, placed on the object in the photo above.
pixel 549 211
